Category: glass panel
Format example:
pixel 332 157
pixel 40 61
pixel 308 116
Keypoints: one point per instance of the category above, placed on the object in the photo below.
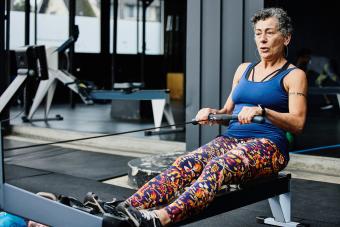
pixel 52 22
pixel 17 28
pixel 128 33
pixel 88 20
pixel 154 28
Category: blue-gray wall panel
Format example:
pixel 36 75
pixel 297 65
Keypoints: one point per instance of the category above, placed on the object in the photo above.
pixel 211 49
pixel 193 70
pixel 250 7
pixel 232 45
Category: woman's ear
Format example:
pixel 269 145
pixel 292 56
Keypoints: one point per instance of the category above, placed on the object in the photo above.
pixel 287 39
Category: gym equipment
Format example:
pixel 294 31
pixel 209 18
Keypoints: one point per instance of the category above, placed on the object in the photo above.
pixel 31 64
pixel 47 88
pixel 276 189
pixel 160 99
pixel 227 117
pixel 325 91
pixel 211 117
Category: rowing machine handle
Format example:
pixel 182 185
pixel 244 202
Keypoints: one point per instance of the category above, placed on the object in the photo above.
pixel 227 117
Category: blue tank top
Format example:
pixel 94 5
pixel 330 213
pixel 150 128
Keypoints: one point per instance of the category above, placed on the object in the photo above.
pixel 270 94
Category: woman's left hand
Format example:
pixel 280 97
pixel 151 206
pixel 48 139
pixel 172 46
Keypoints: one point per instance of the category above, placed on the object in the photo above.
pixel 248 113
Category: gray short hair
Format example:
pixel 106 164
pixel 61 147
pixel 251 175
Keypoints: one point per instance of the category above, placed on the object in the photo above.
pixel 285 24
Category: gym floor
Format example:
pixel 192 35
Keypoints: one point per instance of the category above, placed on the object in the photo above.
pixel 314 201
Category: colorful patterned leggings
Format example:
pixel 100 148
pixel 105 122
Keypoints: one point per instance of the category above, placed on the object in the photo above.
pixel 192 181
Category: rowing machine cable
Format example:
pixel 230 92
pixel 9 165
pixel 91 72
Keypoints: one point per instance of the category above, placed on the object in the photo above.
pixel 211 117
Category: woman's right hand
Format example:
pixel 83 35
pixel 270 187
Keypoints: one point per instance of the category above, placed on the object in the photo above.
pixel 202 116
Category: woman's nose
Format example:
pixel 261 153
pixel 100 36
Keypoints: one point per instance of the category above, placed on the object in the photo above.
pixel 263 38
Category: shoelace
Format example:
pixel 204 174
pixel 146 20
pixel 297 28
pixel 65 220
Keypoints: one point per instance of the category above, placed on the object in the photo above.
pixel 149 215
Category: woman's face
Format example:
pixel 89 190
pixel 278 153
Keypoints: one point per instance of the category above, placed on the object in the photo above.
pixel 269 40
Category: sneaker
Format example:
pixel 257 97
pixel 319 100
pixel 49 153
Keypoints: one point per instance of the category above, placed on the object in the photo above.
pixel 140 218
pixel 327 107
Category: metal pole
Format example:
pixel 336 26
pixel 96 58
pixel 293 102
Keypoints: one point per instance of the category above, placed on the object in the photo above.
pixel 114 41
pixel 27 22
pixel 72 15
pixel 2 169
pixel 145 4
pixel 105 42
pixel 27 94
pixel 35 22
pixel 2 88
pixel 142 67
pixel 137 20
pixel 6 77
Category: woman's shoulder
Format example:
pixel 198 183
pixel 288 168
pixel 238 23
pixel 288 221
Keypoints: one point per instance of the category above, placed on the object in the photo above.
pixel 243 66
pixel 240 70
pixel 295 73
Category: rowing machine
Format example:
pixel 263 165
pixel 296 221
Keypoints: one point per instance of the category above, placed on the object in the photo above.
pixel 31 59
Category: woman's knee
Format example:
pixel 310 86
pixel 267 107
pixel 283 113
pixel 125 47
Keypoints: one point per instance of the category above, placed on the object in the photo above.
pixel 216 164
pixel 188 163
pixel 279 162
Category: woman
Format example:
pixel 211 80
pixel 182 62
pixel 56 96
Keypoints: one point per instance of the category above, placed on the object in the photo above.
pixel 272 88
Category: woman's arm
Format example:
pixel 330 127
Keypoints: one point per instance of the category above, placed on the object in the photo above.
pixel 229 105
pixel 296 85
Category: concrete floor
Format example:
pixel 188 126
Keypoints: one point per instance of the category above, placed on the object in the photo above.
pixel 97 119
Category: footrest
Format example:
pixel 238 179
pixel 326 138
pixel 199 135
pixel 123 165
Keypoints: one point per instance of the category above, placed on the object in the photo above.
pixel 271 221
pixel 56 118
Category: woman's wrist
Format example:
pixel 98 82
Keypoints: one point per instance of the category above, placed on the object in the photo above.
pixel 262 110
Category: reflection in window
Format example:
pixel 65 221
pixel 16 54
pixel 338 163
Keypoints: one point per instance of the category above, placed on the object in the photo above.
pixel 53 18
pixel 52 22
pixel 88 20
pixel 18 5
pixel 128 31
pixel 17 28
pixel 130 11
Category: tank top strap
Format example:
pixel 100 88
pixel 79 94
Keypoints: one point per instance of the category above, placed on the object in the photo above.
pixel 284 73
pixel 248 70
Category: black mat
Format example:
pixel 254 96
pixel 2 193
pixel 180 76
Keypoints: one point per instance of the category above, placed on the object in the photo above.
pixel 91 165
pixel 69 185
pixel 10 143
pixel 13 172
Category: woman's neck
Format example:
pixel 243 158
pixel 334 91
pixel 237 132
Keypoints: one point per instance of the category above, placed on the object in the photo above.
pixel 272 63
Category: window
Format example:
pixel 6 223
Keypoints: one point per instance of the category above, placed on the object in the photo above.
pixel 52 23
pixel 130 11
pixel 128 32
pixel 17 28
pixel 88 20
